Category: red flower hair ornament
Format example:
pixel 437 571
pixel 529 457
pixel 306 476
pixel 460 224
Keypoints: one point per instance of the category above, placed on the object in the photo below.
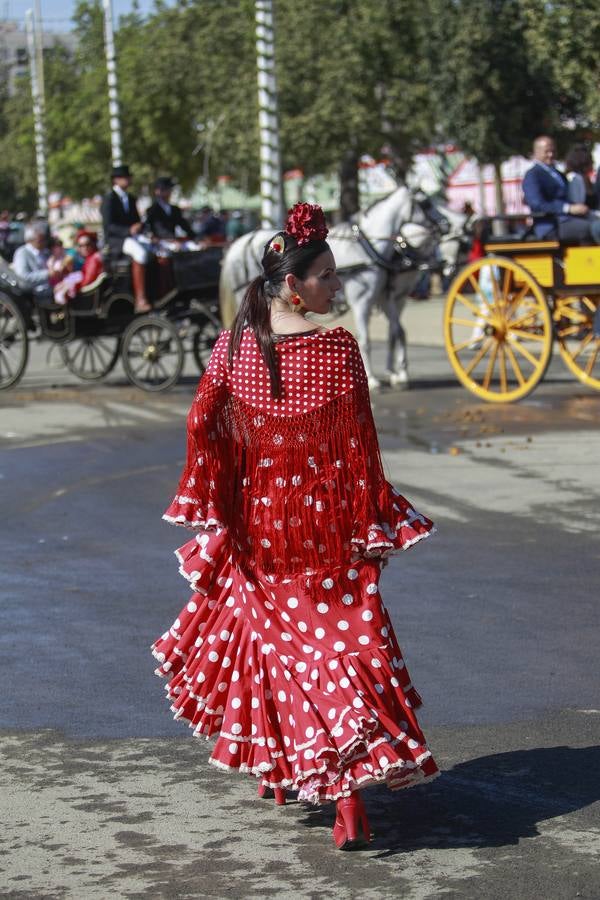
pixel 306 223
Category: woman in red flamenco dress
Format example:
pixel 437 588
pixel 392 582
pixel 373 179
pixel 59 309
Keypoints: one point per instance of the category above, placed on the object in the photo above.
pixel 285 653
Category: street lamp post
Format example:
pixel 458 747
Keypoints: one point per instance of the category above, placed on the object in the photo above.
pixel 270 165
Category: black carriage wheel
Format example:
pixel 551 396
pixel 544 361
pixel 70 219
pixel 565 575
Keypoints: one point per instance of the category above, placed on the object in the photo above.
pixel 205 337
pixel 14 343
pixel 91 358
pixel 152 353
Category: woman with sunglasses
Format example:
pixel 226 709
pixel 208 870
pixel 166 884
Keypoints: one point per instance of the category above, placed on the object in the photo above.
pixel 93 266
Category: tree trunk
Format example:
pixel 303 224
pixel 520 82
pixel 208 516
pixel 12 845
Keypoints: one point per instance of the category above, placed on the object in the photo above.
pixel 500 209
pixel 349 196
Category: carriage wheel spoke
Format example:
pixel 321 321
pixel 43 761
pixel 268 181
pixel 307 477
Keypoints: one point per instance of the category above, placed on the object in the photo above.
pixel 475 284
pixel 568 331
pixel 515 364
pixel 592 359
pixel 161 369
pixel 565 310
pixel 506 286
pixel 96 357
pixel 518 323
pixel 527 335
pixel 470 342
pixel 79 350
pixel 476 310
pixel 516 300
pixel 490 367
pixel 589 337
pixel 503 379
pixel 478 356
pixel 589 303
pixel 468 323
pixel 104 350
pixel 495 286
pixel 524 352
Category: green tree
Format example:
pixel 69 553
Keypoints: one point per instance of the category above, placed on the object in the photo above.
pixel 182 72
pixel 351 81
pixel 492 94
pixel 18 184
pixel 564 37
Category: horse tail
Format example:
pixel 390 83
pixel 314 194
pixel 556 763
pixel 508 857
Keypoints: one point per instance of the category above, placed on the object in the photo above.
pixel 227 303
pixel 237 272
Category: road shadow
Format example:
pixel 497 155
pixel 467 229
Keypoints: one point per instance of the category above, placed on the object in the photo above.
pixel 492 801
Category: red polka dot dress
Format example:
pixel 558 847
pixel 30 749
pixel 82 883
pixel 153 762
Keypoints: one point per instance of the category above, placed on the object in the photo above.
pixel 285 653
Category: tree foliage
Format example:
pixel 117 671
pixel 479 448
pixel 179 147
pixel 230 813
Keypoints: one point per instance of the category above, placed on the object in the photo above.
pixel 492 95
pixel 354 77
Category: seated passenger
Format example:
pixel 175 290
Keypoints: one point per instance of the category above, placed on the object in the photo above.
pixel 578 165
pixel 546 191
pixel 209 228
pixel 30 261
pixel 164 220
pixel 59 264
pixel 93 266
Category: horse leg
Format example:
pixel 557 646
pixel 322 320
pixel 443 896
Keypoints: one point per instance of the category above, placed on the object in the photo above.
pixel 362 312
pixel 397 362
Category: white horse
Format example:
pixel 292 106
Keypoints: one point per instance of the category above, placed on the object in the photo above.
pixel 379 259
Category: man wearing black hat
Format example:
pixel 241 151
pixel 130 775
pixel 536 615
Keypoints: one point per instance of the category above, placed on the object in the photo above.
pixel 122 227
pixel 163 219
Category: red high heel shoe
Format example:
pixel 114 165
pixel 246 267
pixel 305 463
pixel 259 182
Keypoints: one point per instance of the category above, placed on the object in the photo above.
pixel 267 793
pixel 351 828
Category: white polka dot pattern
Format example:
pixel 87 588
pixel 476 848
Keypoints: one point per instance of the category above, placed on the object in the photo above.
pixel 309 484
pixel 285 653
pixel 282 709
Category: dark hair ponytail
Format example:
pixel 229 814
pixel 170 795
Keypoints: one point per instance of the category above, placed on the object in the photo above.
pixel 255 309
pixel 255 312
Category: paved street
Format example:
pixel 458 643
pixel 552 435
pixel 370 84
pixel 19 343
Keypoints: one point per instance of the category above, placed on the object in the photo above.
pixel 498 615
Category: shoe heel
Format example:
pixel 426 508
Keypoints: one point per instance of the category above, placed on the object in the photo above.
pixel 350 820
pixel 264 792
pixel 280 796
pixel 267 793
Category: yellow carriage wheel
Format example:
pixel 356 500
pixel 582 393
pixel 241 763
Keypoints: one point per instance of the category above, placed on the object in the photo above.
pixel 497 329
pixel 578 343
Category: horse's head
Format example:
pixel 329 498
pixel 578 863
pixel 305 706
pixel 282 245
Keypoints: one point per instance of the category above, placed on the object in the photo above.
pixel 381 222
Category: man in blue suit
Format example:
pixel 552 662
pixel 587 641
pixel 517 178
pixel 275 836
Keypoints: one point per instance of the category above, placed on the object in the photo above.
pixel 546 191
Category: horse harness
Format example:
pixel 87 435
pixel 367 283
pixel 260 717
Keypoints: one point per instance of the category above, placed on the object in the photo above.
pixel 404 259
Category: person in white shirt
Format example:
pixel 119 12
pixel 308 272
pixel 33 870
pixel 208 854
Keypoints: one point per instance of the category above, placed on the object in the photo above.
pixel 30 261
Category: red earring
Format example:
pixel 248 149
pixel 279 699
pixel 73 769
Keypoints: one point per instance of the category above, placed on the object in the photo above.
pixel 296 301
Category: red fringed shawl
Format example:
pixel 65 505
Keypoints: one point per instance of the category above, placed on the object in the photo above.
pixel 298 482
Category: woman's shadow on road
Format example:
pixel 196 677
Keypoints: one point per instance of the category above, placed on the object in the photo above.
pixel 491 801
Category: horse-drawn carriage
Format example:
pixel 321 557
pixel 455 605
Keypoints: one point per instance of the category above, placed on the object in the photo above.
pixel 97 327
pixel 504 311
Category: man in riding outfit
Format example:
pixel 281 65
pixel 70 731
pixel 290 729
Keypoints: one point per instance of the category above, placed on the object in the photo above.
pixel 163 219
pixel 122 230
pixel 546 191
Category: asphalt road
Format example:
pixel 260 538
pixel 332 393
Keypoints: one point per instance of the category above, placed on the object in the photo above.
pixel 498 615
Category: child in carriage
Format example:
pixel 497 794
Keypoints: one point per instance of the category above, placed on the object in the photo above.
pixel 59 264
pixel 93 266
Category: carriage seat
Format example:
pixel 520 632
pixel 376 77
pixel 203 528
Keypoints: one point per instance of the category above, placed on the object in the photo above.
pixel 89 288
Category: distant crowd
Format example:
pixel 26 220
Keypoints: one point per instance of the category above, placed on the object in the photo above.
pixel 46 263
pixel 566 205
